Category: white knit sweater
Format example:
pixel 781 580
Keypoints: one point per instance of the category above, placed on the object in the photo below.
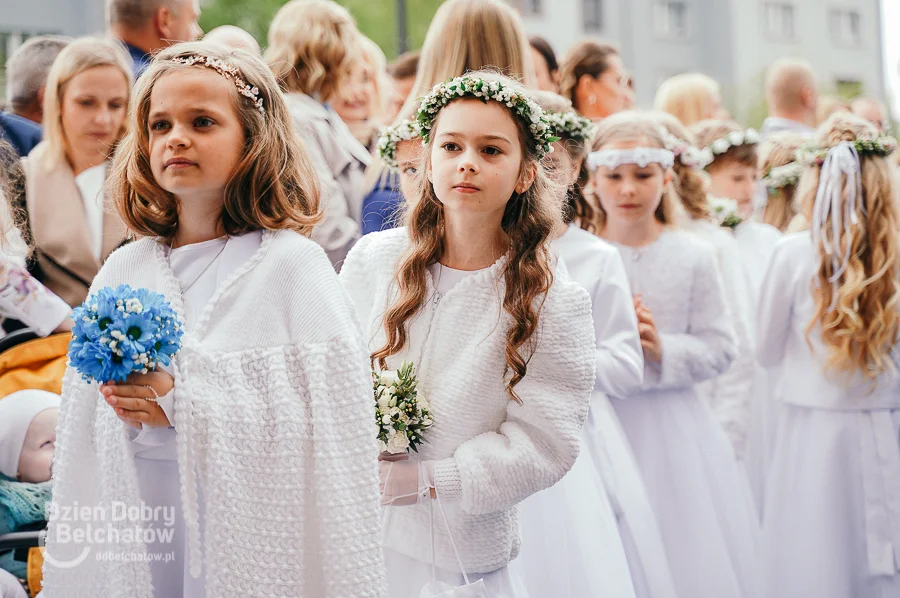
pixel 489 453
pixel 274 424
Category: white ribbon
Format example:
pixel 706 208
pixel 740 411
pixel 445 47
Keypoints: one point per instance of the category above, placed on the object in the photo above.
pixel 642 156
pixel 843 159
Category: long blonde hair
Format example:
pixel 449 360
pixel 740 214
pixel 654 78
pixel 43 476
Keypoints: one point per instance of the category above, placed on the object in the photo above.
pixel 690 183
pixel 687 97
pixel 630 125
pixel 312 47
pixel 274 186
pixel 858 315
pixel 777 150
pixel 529 221
pixel 471 35
pixel 80 55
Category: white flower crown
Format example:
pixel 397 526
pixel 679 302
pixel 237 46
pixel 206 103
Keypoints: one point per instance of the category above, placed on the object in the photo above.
pixel 783 176
pixel 570 124
pixel 642 156
pixel 229 71
pixel 687 154
pixel 512 96
pixel 392 136
pixel 733 139
pixel 878 145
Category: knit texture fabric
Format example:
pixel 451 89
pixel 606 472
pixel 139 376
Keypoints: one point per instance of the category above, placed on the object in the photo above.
pixel 273 414
pixel 489 453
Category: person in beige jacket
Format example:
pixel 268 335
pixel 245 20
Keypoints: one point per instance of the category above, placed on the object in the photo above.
pixel 313 46
pixel 71 225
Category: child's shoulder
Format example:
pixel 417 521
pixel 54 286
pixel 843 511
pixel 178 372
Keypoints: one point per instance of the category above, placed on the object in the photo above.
pixel 129 259
pixel 380 247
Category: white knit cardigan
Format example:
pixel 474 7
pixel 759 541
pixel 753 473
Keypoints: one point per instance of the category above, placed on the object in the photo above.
pixel 273 415
pixel 489 453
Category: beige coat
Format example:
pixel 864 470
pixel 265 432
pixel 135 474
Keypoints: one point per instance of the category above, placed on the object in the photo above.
pixel 59 228
pixel 340 160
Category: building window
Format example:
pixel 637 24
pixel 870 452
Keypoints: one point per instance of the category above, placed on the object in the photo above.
pixel 670 19
pixel 531 7
pixel 845 28
pixel 778 21
pixel 592 14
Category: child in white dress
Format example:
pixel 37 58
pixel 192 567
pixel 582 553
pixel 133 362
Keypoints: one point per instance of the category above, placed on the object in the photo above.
pixel 829 318
pixel 251 464
pixel 502 339
pixel 594 532
pixel 687 337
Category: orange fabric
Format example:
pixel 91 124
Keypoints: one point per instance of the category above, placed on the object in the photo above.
pixel 40 364
pixel 35 565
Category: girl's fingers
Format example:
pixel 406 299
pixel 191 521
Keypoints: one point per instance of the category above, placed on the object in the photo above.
pixel 134 391
pixel 127 403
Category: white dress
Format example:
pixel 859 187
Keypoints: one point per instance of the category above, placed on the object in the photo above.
pixel 690 474
pixel 571 546
pixel 406 575
pixel 154 448
pixel 832 525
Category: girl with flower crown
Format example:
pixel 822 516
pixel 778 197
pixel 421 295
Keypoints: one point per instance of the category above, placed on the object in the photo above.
pixel 829 319
pixel 594 533
pixel 502 339
pixel 729 395
pixel 687 337
pixel 258 443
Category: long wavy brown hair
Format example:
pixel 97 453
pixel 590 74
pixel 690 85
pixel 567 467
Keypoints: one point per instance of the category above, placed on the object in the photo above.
pixel 859 318
pixel 274 186
pixel 579 209
pixel 631 125
pixel 529 221
pixel 690 184
pixel 779 149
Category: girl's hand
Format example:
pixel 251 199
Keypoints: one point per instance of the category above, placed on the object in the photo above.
pixel 650 342
pixel 130 399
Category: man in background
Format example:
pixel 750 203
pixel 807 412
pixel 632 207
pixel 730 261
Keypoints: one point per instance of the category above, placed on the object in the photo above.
pixel 147 26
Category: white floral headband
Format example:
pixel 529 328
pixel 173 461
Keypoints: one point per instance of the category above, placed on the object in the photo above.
pixel 733 139
pixel 228 71
pixel 512 96
pixel 878 145
pixel 392 136
pixel 571 124
pixel 687 154
pixel 642 156
pixel 783 176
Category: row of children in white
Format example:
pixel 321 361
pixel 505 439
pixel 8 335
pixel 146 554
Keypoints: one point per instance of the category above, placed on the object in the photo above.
pixel 562 370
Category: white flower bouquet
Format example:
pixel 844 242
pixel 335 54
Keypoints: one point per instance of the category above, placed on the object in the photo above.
pixel 726 212
pixel 402 414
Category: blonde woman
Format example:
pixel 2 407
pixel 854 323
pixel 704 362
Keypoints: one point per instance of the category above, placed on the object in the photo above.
pixel 72 227
pixel 361 104
pixel 465 35
pixel 22 297
pixel 690 97
pixel 829 320
pixel 314 46
pixel 593 77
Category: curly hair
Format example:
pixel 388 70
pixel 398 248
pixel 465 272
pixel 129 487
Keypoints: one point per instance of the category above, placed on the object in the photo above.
pixel 858 314
pixel 780 149
pixel 690 183
pixel 274 186
pixel 631 125
pixel 529 221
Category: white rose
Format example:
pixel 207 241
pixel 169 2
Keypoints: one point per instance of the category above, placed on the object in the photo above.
pixel 735 138
pixel 383 401
pixel 388 377
pixel 386 419
pixel 720 146
pixel 397 443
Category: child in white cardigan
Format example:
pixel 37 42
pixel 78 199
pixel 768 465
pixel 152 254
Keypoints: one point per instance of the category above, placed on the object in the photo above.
pixel 251 465
pixel 502 340
pixel 702 506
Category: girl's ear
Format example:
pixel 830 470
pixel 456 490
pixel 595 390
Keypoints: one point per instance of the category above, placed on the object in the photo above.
pixel 527 179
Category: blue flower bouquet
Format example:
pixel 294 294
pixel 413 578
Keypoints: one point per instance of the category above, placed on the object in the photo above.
pixel 122 331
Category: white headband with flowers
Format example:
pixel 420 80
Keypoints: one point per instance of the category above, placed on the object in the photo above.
pixel 687 154
pixel 392 136
pixel 228 71
pixel 642 156
pixel 733 139
pixel 512 96
pixel 783 176
pixel 571 124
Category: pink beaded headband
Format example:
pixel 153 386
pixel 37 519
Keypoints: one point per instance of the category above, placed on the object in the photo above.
pixel 229 72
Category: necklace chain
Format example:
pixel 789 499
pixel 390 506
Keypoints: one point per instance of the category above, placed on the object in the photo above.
pixel 184 289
